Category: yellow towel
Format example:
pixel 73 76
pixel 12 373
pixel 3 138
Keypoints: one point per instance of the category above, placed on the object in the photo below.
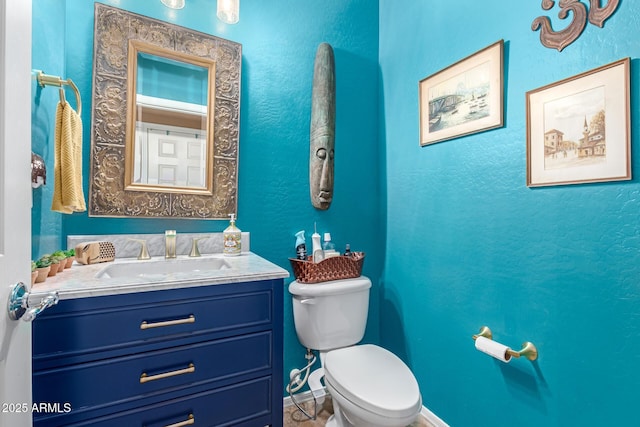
pixel 67 190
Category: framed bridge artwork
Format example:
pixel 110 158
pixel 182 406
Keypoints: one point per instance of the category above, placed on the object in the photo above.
pixel 578 129
pixel 464 98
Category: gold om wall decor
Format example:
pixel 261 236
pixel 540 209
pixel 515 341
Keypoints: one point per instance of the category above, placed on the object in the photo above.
pixel 560 39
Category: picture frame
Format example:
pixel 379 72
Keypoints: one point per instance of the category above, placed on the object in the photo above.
pixel 578 129
pixel 464 98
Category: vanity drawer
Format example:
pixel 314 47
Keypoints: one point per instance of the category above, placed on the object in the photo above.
pixel 246 404
pixel 206 365
pixel 83 330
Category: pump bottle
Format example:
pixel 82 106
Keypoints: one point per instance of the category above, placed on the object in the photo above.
pixel 232 238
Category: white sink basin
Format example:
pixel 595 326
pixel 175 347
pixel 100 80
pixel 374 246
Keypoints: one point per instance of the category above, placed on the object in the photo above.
pixel 162 267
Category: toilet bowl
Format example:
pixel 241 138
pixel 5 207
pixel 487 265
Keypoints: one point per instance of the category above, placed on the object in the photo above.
pixel 369 386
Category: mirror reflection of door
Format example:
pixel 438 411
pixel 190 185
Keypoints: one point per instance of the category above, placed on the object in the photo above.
pixel 172 147
pixel 170 156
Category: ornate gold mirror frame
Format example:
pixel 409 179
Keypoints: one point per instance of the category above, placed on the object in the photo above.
pixel 108 196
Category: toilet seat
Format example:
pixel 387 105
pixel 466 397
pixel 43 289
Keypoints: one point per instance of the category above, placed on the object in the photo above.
pixel 374 379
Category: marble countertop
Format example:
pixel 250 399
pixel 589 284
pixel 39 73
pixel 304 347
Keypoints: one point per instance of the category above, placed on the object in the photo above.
pixel 81 281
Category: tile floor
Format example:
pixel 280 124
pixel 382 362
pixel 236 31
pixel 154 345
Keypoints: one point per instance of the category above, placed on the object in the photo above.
pixel 294 418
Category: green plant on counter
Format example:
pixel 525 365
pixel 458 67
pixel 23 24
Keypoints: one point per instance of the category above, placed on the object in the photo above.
pixel 43 261
pixel 58 256
pixel 33 266
pixel 70 253
pixel 54 261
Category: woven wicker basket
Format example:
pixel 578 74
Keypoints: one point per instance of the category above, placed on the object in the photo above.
pixel 334 268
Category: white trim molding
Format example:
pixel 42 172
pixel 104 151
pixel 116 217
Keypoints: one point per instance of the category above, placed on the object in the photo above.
pixel 432 418
pixel 306 396
pixel 301 397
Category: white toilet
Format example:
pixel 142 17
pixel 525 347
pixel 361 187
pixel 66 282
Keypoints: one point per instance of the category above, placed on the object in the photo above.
pixel 369 386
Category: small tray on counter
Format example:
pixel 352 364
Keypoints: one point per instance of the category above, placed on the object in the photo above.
pixel 333 268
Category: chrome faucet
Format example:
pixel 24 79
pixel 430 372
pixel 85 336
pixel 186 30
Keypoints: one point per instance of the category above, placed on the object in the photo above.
pixel 170 244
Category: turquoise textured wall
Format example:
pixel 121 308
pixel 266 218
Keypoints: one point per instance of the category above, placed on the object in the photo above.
pixel 279 41
pixel 47 55
pixel 469 244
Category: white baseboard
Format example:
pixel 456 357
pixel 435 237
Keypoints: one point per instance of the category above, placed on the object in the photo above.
pixel 302 397
pixel 306 396
pixel 432 418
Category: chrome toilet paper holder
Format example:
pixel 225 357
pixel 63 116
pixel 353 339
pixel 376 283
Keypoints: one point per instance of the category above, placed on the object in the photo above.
pixel 528 349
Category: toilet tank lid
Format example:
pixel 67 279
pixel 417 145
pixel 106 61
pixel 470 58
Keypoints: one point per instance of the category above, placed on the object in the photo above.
pixel 333 287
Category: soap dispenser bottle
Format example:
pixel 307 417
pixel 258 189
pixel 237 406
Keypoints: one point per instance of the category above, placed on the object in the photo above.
pixel 232 238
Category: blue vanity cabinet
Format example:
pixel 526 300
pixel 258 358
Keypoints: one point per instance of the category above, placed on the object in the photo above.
pixel 202 356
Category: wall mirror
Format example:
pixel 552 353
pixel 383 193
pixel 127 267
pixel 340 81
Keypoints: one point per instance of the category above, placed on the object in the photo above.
pixel 166 106
pixel 169 144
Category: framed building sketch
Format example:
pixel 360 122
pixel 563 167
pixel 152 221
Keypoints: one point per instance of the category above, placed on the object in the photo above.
pixel 578 129
pixel 464 98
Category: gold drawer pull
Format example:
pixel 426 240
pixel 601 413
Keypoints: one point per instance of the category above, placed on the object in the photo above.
pixel 144 378
pixel 190 319
pixel 188 422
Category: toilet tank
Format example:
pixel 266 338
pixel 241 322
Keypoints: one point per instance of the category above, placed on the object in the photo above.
pixel 330 315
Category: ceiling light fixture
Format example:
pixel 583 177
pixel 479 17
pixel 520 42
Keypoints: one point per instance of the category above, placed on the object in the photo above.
pixel 229 11
pixel 173 4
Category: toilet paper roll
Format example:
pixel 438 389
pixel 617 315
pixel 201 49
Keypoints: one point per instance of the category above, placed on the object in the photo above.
pixel 493 348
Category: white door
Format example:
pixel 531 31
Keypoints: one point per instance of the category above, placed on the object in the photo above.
pixel 15 207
